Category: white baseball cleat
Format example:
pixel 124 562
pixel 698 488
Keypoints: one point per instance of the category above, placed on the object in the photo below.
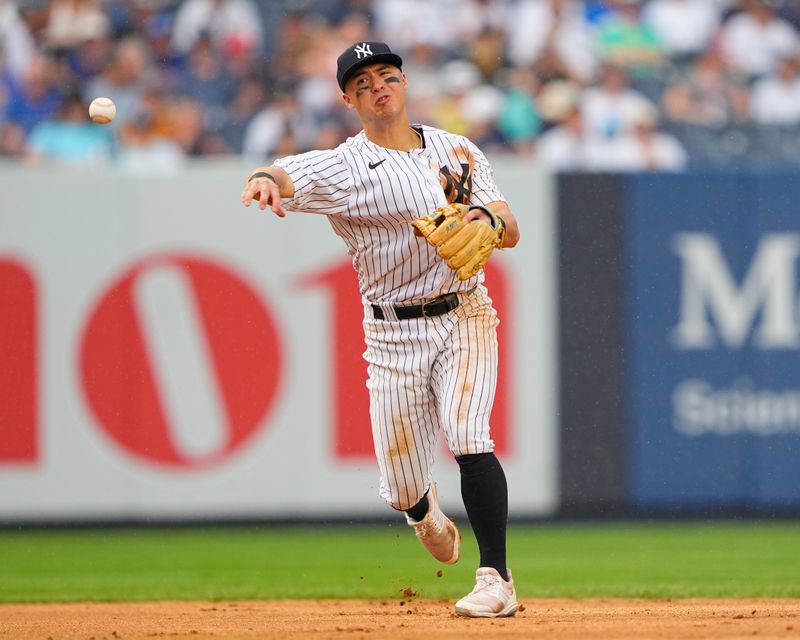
pixel 492 596
pixel 437 533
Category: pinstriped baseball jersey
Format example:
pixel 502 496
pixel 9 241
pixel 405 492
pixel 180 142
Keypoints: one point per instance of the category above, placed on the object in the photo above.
pixel 425 374
pixel 369 193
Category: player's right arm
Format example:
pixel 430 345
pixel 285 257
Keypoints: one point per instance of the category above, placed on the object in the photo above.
pixel 267 185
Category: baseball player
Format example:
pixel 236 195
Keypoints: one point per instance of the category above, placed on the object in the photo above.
pixel 420 214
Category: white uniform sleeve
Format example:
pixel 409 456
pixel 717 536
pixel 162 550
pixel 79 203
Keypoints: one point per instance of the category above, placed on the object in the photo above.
pixel 484 189
pixel 321 182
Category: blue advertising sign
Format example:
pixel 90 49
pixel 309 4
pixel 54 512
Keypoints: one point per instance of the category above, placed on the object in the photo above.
pixel 713 340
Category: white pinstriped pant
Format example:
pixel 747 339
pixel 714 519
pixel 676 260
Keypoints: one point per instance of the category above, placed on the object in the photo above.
pixel 427 374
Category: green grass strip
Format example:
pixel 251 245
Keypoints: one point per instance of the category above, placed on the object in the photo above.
pixel 548 560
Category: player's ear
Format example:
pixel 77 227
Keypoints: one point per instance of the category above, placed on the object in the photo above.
pixel 348 102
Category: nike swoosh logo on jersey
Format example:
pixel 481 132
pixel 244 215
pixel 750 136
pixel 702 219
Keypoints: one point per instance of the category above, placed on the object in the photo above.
pixel 373 165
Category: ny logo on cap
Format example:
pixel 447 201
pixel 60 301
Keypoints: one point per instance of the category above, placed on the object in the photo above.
pixel 363 50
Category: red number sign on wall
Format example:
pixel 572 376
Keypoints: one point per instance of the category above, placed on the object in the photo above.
pixel 18 363
pixel 117 368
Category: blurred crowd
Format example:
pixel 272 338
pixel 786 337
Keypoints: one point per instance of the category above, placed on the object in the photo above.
pixel 580 85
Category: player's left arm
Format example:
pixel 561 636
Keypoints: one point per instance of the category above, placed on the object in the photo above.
pixel 501 210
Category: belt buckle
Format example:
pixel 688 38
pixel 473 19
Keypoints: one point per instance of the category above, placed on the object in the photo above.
pixel 450 300
pixel 425 304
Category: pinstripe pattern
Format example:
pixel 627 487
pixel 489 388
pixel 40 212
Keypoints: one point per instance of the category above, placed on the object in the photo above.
pixel 368 208
pixel 425 374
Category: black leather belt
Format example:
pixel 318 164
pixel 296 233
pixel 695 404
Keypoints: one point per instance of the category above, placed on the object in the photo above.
pixel 436 307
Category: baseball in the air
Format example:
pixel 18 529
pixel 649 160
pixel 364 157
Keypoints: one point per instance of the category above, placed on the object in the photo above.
pixel 102 110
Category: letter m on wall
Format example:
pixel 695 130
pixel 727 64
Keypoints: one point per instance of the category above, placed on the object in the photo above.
pixel 714 305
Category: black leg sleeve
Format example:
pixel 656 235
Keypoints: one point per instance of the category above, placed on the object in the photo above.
pixel 485 494
pixel 419 510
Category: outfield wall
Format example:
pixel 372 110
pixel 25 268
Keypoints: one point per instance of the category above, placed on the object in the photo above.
pixel 166 353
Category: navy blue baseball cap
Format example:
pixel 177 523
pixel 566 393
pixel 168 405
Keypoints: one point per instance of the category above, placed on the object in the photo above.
pixel 363 53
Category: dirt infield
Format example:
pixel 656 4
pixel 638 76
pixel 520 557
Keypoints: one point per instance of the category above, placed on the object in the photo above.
pixel 376 620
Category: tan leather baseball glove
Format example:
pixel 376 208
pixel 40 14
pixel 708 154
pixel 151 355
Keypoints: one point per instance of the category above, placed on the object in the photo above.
pixel 465 246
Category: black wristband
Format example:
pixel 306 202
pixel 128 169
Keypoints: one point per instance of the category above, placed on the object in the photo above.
pixel 262 174
pixel 493 218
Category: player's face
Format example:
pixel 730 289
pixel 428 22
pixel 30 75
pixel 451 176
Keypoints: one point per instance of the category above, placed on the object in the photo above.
pixel 376 91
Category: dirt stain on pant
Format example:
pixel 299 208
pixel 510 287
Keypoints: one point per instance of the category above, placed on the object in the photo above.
pixel 403 439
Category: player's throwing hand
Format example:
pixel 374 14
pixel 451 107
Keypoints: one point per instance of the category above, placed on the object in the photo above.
pixel 263 186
